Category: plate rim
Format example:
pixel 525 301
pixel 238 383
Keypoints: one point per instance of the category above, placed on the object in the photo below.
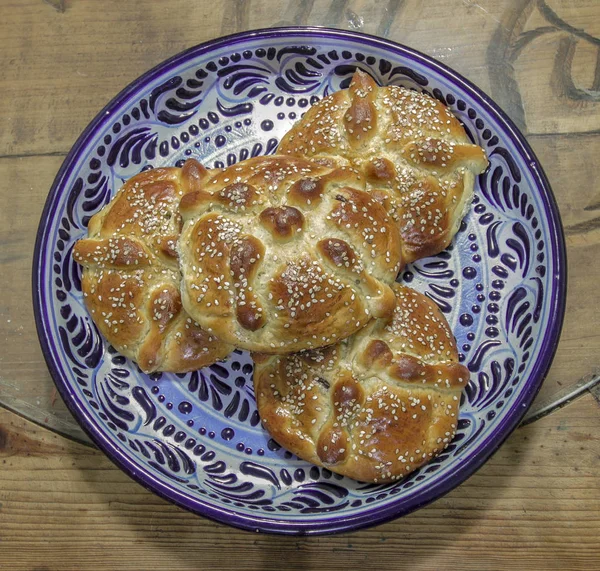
pixel 375 515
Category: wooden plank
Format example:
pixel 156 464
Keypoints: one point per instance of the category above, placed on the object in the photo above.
pixel 63 61
pixel 560 66
pixel 542 60
pixel 535 505
pixel 61 66
pixel 25 384
pixel 566 160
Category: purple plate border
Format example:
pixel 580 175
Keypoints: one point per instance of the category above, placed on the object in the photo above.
pixel 376 515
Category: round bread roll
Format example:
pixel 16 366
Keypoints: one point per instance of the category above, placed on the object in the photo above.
pixel 279 254
pixel 373 407
pixel 130 277
pixel 414 152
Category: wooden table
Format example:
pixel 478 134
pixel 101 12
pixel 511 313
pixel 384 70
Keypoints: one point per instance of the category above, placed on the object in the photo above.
pixel 535 504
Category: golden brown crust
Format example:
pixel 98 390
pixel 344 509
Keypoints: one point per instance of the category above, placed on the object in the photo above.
pixel 279 254
pixel 282 222
pixel 409 146
pixel 377 405
pixel 130 278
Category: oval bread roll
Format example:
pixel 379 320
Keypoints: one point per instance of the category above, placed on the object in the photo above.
pixel 279 254
pixel 377 405
pixel 415 154
pixel 130 278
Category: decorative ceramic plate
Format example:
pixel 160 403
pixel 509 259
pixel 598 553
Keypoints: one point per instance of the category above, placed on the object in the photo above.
pixel 196 439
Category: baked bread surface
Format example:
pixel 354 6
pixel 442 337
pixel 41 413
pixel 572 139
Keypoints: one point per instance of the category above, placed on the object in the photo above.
pixel 279 254
pixel 414 152
pixel 373 407
pixel 130 279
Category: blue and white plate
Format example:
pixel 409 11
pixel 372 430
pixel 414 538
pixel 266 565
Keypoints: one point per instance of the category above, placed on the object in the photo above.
pixel 196 439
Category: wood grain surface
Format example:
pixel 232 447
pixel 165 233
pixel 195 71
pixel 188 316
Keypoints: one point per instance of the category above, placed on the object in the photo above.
pixel 535 505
